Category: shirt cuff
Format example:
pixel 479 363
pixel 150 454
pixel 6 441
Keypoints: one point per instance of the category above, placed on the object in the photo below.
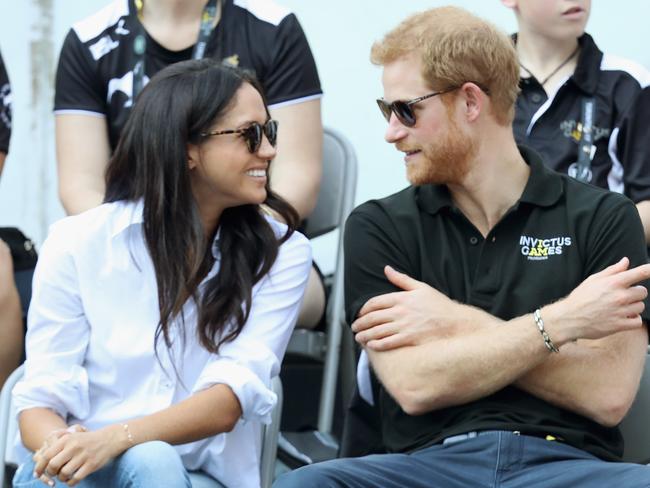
pixel 256 399
pixel 66 394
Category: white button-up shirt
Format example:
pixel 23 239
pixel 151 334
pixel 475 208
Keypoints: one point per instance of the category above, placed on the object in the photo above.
pixel 90 338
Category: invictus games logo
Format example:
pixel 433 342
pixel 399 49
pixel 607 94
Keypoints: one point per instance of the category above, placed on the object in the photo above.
pixel 536 249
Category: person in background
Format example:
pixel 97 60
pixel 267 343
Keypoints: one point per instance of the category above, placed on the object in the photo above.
pixel 497 300
pixel 159 318
pixel 11 318
pixel 5 114
pixel 11 323
pixel 574 100
pixel 107 58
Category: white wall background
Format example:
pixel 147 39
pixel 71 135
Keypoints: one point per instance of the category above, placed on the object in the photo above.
pixel 340 33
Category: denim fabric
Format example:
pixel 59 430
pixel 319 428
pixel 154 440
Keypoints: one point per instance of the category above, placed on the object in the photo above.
pixel 495 459
pixel 143 466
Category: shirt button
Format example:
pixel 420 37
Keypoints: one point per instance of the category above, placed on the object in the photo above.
pixel 536 98
pixel 473 240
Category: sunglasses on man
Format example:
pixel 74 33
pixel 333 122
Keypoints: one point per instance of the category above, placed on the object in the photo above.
pixel 252 134
pixel 403 109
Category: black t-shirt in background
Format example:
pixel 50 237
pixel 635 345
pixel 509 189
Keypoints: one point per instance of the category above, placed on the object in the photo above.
pixel 95 71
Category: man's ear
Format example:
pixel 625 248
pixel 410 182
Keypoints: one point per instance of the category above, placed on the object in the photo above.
pixel 474 102
pixel 192 156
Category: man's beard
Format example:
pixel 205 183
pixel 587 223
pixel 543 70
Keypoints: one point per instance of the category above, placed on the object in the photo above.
pixel 446 160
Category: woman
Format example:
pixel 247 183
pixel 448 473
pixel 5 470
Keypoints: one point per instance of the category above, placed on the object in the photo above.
pixel 107 56
pixel 182 257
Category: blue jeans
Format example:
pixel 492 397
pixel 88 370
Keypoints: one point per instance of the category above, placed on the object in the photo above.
pixel 146 465
pixel 494 459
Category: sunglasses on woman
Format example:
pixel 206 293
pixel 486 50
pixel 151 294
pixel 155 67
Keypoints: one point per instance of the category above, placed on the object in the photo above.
pixel 252 134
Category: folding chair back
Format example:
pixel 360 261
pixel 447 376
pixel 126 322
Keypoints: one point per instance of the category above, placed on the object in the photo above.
pixel 636 424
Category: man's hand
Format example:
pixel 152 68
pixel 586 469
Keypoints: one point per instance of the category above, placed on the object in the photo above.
pixel 605 303
pixel 74 453
pixel 409 317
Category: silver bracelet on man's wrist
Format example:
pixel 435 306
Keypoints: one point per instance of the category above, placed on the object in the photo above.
pixel 537 315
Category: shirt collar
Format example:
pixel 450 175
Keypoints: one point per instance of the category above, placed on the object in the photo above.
pixel 132 213
pixel 587 69
pixel 129 213
pixel 544 187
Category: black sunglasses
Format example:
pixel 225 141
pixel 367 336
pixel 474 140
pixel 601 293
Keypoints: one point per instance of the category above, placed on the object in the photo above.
pixel 252 134
pixel 402 108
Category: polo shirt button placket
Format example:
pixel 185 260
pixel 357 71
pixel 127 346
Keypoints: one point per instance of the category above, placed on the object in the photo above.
pixel 473 240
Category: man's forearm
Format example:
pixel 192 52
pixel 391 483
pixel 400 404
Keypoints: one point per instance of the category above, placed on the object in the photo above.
pixel 455 370
pixel 597 379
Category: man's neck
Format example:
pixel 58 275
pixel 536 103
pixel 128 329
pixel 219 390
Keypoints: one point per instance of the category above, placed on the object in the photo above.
pixel 494 184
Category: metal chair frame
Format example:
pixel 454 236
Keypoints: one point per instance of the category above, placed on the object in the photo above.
pixel 335 202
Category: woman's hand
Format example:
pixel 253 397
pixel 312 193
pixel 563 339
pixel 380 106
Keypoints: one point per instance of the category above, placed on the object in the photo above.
pixel 39 455
pixel 76 454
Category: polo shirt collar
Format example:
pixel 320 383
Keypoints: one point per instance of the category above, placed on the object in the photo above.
pixel 587 69
pixel 544 187
pixel 432 198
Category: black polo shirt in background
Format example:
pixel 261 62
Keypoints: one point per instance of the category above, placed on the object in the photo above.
pixel 551 127
pixel 557 234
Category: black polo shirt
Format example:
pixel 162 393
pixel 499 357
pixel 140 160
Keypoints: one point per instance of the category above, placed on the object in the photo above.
pixel 557 234
pixel 552 126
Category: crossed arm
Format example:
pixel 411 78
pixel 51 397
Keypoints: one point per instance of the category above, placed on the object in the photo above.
pixel 431 352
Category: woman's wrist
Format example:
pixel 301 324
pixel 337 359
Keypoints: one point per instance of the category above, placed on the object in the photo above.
pixel 120 438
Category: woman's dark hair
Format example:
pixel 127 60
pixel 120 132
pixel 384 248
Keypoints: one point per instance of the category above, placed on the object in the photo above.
pixel 180 103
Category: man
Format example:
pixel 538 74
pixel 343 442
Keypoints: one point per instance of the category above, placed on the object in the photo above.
pixel 562 69
pixel 497 300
